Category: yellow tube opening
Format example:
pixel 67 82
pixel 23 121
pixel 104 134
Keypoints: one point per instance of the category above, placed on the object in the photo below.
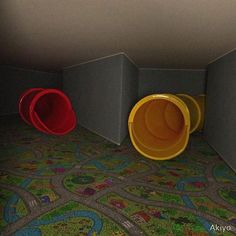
pixel 159 126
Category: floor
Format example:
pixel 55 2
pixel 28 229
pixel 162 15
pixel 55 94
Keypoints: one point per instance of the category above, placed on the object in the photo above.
pixel 81 184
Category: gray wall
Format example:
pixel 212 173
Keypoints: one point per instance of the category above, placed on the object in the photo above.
pixel 102 93
pixel 220 125
pixel 14 81
pixel 171 81
pixel 129 93
pixel 95 91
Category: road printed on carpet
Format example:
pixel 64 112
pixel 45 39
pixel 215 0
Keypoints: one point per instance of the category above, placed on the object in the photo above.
pixel 81 184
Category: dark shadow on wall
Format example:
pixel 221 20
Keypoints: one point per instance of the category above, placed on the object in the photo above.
pixel 14 81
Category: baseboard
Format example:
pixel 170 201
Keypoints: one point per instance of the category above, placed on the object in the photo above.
pixel 9 114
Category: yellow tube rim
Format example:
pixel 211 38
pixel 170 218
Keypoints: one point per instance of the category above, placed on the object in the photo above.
pixel 140 147
pixel 194 110
pixel 200 99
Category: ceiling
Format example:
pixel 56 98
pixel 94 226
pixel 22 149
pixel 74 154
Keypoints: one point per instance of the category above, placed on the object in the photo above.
pixel 52 34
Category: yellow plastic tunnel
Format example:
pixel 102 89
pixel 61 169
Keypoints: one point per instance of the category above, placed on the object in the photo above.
pixel 159 126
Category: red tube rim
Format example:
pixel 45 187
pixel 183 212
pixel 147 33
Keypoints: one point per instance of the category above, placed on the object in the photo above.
pixel 21 101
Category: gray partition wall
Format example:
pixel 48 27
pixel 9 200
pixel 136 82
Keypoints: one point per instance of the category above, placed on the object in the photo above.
pixel 220 125
pixel 171 81
pixel 129 92
pixel 14 81
pixel 102 92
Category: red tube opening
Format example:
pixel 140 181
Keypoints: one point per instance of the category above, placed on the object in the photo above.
pixel 50 111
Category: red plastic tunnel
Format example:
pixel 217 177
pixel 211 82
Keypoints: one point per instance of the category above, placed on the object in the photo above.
pixel 48 110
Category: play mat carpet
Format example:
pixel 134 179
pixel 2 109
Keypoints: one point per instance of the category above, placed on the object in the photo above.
pixel 81 184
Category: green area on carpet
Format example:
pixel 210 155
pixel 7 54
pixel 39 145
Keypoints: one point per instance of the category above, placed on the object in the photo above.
pixel 81 184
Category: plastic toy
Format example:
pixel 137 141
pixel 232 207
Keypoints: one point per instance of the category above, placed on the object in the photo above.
pixel 160 124
pixel 48 110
